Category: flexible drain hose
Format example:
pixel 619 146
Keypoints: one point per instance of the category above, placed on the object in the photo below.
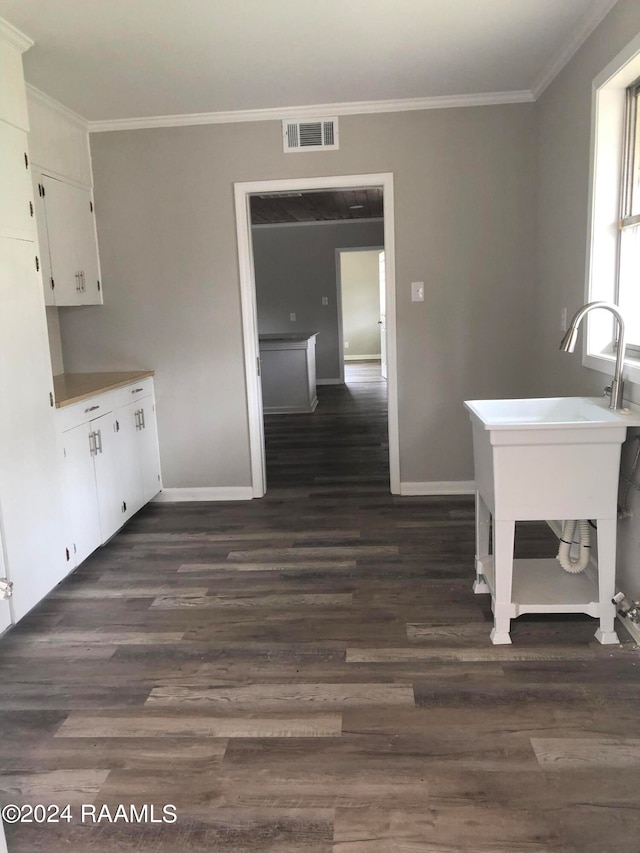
pixel 580 563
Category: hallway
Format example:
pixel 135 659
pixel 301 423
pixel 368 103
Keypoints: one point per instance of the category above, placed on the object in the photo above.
pixel 343 442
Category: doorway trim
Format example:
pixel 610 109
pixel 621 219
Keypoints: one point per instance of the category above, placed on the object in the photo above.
pixel 242 192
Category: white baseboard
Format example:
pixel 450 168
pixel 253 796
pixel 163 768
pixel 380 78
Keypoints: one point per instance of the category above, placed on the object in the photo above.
pixel 205 493
pixel 372 357
pixel 337 381
pixel 439 487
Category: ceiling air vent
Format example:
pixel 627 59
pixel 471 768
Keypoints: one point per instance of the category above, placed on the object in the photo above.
pixel 311 135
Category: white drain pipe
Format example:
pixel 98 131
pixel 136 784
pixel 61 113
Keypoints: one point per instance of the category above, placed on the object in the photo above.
pixel 578 564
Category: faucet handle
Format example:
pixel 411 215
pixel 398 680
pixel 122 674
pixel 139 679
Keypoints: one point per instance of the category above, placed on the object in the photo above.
pixel 607 391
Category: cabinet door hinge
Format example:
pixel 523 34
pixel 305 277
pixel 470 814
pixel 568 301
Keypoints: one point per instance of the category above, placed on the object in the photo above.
pixel 26 160
pixel 31 208
pixel 53 284
pixel 258 365
pixel 51 398
pixel 90 205
pixel 98 285
pixel 44 192
pixel 67 552
pixel 75 550
pixel 37 264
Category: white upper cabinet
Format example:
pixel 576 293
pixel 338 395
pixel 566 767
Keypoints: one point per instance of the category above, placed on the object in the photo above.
pixel 43 236
pixel 13 103
pixel 16 202
pixel 73 250
pixel 59 145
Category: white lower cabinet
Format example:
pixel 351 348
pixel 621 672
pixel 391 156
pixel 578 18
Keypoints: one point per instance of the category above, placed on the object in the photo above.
pixel 141 419
pixel 110 462
pixel 81 494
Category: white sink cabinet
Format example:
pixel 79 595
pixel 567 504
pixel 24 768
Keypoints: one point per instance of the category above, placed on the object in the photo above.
pixel 538 459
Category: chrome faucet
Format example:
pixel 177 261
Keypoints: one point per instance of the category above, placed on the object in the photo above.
pixel 568 344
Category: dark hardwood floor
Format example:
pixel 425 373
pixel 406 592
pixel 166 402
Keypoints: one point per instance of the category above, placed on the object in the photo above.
pixel 343 442
pixel 311 672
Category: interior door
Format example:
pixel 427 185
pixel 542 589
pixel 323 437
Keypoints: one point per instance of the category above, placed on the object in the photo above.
pixel 383 314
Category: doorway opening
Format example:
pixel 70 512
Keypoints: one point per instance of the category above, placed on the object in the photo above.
pixel 362 292
pixel 289 313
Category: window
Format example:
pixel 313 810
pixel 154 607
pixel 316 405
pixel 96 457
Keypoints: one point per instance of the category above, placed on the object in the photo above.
pixel 613 253
pixel 628 290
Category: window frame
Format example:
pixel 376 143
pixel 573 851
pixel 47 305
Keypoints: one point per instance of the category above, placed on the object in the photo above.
pixel 608 135
pixel 629 190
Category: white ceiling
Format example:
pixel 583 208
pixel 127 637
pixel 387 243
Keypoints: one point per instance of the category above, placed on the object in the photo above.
pixel 115 59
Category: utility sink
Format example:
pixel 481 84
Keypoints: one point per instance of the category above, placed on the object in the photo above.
pixel 550 458
pixel 557 413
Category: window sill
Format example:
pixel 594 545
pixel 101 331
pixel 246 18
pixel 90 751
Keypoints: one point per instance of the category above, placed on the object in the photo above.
pixel 604 363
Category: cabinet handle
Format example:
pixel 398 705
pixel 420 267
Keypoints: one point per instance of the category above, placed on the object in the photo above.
pixel 78 282
pixel 92 444
pixel 99 441
pixel 137 390
pixel 142 423
pixel 83 286
pixel 91 409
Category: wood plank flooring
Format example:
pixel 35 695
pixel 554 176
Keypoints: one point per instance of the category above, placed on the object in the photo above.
pixel 332 689
pixel 345 441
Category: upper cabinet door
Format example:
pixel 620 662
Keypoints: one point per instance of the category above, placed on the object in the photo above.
pixel 91 289
pixel 43 236
pixel 16 200
pixel 72 243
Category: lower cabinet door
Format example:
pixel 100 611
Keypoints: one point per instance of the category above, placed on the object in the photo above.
pixel 148 450
pixel 80 490
pixel 111 495
pixel 5 611
pixel 128 463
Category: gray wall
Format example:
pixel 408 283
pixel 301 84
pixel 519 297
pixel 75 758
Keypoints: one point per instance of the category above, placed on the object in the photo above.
pixel 360 286
pixel 464 224
pixel 295 267
pixel 564 127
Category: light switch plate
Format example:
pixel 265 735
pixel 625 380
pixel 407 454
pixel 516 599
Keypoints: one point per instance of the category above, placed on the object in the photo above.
pixel 417 291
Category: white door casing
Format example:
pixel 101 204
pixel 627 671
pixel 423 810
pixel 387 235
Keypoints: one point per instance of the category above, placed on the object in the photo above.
pixel 383 315
pixel 243 192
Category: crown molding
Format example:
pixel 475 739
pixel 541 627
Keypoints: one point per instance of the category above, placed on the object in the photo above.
pixel 47 101
pixel 9 33
pixel 315 110
pixel 581 34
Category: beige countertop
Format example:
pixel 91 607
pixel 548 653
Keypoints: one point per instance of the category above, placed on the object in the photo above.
pixel 72 387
